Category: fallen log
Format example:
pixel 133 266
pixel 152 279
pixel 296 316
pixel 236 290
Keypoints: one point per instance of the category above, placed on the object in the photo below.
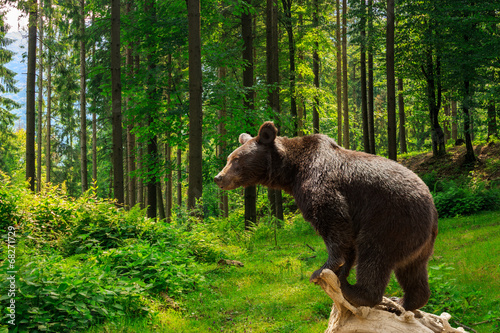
pixel 387 317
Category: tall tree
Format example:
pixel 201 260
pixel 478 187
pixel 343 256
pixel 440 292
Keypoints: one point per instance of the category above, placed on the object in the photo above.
pixel 371 103
pixel 287 9
pixel 48 128
pixel 129 58
pixel 364 102
pixel 30 95
pixel 40 104
pixel 248 76
pixel 154 194
pixel 402 118
pixel 338 46
pixel 83 103
pixel 345 87
pixel 116 102
pixel 272 61
pixel 195 104
pixel 391 83
pixel 316 68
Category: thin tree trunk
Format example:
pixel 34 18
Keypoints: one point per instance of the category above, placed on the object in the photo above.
pixel 130 126
pixel 446 127
pixel 492 120
pixel 179 177
pixel 287 8
pixel 195 104
pixel 454 120
pixel 345 102
pixel 364 102
pixel 49 109
pixel 248 76
pixel 371 103
pixel 40 107
pixel 300 106
pixel 83 111
pixel 94 132
pixel 30 96
pixel 470 157
pixel 159 199
pixel 116 98
pixel 402 118
pixel 315 111
pixel 391 84
pixel 339 76
pixel 152 145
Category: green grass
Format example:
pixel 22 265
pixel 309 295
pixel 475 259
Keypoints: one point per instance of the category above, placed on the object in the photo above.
pixel 272 292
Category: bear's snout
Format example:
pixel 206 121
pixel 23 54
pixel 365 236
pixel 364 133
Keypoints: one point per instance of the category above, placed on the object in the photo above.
pixel 218 179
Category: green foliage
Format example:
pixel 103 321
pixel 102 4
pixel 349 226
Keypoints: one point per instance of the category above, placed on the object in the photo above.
pixel 465 199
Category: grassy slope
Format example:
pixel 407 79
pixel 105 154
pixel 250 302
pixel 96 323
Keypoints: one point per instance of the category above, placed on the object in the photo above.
pixel 271 293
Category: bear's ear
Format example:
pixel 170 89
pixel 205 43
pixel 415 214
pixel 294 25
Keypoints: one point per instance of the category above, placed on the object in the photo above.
pixel 267 133
pixel 244 137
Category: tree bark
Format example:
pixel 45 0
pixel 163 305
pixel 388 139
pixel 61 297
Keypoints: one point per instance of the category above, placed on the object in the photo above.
pixel 30 96
pixel 470 157
pixel 492 120
pixel 345 102
pixel 94 132
pixel 48 128
pixel 364 102
pixel 116 99
pixel 152 145
pixel 454 120
pixel 130 126
pixel 371 104
pixel 391 84
pixel 402 118
pixel 83 111
pixel 338 45
pixel 248 76
pixel 273 81
pixel 287 8
pixel 315 111
pixel 195 104
pixel 40 107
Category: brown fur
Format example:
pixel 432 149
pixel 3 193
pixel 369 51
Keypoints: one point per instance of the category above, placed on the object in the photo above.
pixel 369 210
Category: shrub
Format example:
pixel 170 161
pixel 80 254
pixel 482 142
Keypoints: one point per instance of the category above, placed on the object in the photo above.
pixel 465 200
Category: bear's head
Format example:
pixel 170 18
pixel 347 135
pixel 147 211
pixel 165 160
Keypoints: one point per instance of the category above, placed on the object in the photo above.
pixel 249 164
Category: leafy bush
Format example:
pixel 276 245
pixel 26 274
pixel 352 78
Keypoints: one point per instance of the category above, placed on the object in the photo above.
pixel 465 200
pixel 57 295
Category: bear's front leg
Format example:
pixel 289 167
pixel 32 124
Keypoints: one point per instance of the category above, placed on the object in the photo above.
pixel 340 258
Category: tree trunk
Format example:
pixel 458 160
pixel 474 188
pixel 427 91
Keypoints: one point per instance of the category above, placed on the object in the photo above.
pixel 470 157
pixel 49 109
pixel 83 111
pixel 345 102
pixel 94 130
pixel 364 102
pixel 130 126
pixel 195 104
pixel 339 76
pixel 446 127
pixel 454 120
pixel 434 102
pixel 40 107
pixel 492 120
pixel 371 104
pixel 315 111
pixel 248 76
pixel 30 96
pixel 152 145
pixel 159 203
pixel 179 177
pixel 272 62
pixel 391 84
pixel 287 8
pixel 402 118
pixel 116 98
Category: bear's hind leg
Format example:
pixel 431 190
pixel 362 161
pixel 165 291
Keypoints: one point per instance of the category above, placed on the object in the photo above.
pixel 414 280
pixel 371 279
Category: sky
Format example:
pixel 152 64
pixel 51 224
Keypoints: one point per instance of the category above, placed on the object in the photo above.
pixel 14 21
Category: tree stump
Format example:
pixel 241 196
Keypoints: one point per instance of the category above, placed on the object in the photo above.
pixel 387 317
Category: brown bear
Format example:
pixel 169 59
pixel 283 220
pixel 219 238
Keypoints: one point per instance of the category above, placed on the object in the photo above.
pixel 369 210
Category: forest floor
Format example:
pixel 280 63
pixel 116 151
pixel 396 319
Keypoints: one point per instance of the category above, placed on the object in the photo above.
pixel 272 292
pixel 453 165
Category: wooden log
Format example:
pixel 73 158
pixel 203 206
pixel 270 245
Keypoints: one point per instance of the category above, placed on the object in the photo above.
pixel 387 317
